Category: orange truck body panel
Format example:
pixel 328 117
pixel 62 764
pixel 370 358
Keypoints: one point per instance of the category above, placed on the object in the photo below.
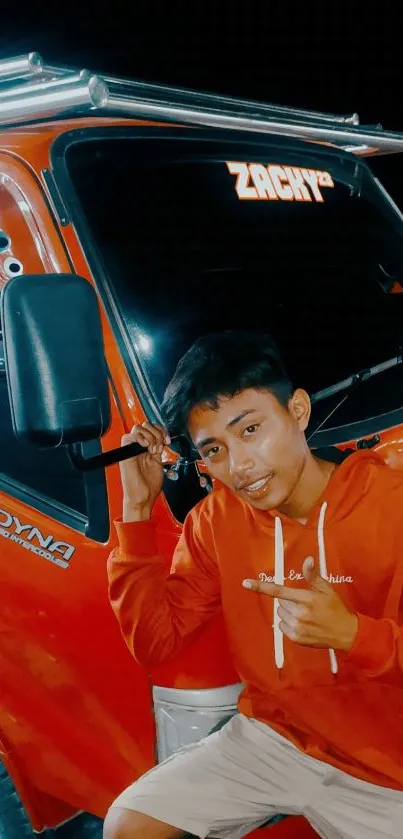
pixel 76 716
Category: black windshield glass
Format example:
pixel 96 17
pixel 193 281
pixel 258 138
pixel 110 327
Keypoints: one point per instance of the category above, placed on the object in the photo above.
pixel 186 253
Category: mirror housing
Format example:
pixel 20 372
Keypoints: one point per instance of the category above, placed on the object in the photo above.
pixel 54 357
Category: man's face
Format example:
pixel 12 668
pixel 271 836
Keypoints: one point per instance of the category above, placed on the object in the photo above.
pixel 254 445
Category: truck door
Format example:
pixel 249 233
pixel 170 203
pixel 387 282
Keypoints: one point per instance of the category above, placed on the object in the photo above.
pixel 75 707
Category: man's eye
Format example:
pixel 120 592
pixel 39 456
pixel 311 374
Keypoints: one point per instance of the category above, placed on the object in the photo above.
pixel 211 452
pixel 250 429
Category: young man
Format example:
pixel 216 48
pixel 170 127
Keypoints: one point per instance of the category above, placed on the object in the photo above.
pixel 305 559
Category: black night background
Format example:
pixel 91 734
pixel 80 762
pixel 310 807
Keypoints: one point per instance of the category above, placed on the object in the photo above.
pixel 338 58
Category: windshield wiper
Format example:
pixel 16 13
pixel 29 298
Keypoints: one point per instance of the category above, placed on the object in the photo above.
pixel 349 386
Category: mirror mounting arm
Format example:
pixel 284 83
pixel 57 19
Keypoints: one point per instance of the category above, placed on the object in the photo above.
pixel 100 461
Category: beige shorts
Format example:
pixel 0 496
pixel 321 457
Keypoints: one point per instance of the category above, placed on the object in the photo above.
pixel 236 779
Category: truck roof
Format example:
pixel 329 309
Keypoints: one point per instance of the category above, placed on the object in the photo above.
pixel 38 97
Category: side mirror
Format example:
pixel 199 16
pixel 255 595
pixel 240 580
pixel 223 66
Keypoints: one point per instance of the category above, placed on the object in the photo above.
pixel 57 376
pixel 54 358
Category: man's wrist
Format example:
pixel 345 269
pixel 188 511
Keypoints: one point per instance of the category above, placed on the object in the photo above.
pixel 133 514
pixel 350 633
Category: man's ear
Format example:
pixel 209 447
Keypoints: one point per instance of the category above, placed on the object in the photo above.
pixel 299 407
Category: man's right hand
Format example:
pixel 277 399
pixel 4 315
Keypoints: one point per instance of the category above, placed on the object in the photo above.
pixel 142 476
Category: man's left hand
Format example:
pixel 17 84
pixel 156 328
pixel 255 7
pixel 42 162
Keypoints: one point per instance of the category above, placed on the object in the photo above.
pixel 314 617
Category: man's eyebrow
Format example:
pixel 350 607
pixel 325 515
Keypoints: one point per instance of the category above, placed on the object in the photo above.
pixel 240 417
pixel 208 440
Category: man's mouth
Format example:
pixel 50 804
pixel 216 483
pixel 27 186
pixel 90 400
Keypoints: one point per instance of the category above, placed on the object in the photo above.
pixel 259 488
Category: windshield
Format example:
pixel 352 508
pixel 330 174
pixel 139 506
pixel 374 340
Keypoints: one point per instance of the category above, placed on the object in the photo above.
pixel 194 238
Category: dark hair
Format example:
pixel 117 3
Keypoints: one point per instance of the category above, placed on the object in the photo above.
pixel 219 366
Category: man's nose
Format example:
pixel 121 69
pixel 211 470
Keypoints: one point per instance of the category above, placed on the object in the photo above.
pixel 241 463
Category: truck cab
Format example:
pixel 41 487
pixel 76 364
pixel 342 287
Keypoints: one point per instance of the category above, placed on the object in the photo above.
pixel 134 218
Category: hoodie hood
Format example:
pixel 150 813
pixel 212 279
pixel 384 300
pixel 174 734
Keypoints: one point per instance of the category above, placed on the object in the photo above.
pixel 352 481
pixel 349 485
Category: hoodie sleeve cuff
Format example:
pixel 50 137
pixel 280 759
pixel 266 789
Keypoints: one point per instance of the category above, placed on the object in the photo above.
pixel 137 537
pixel 373 646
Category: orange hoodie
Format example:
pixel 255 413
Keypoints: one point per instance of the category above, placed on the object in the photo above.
pixel 345 709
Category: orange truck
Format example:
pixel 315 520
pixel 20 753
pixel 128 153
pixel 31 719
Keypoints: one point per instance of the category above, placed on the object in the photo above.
pixel 134 218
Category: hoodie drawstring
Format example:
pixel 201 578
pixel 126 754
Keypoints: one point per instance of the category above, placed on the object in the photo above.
pixel 323 570
pixel 279 580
